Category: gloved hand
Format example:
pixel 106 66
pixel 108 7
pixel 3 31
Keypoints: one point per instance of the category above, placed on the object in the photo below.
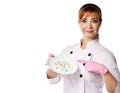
pixel 95 67
pixel 51 55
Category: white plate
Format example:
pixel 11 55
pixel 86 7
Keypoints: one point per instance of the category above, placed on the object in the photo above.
pixel 62 65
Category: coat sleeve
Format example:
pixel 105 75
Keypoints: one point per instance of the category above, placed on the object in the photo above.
pixel 111 63
pixel 54 80
pixel 116 74
pixel 117 90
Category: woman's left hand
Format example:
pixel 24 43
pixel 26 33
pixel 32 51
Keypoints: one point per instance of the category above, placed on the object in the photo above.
pixel 95 67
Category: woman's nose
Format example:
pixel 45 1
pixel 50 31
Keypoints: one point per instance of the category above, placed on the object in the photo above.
pixel 89 25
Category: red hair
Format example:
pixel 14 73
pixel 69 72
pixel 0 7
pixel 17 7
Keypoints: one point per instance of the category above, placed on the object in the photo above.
pixel 90 9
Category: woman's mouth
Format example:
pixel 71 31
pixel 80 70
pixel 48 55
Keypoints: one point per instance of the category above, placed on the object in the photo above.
pixel 89 31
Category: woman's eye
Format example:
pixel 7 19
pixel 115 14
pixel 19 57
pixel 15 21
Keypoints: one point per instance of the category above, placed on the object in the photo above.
pixel 95 21
pixel 84 21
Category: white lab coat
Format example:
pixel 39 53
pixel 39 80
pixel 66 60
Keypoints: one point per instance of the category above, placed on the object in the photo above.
pixel 86 82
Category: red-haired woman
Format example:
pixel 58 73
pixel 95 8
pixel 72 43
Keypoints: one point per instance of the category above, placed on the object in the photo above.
pixel 96 64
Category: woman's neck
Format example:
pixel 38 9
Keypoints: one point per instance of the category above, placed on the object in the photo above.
pixel 84 42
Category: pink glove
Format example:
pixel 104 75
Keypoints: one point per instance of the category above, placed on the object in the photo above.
pixel 92 66
pixel 51 55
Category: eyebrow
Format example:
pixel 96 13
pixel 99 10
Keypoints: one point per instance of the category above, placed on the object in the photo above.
pixel 84 18
pixel 95 18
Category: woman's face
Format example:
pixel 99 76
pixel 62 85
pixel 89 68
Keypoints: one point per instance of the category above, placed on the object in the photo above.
pixel 90 25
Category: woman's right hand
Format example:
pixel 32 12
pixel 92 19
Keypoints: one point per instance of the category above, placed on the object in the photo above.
pixel 50 73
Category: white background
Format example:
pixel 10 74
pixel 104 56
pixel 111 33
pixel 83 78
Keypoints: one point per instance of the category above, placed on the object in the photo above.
pixel 31 29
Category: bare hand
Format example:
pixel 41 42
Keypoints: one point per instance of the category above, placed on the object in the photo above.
pixel 51 73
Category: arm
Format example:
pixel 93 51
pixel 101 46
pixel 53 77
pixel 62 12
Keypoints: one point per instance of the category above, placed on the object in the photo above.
pixel 110 82
pixel 52 76
pixel 108 78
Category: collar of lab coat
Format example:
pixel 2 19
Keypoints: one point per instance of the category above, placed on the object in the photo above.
pixel 90 44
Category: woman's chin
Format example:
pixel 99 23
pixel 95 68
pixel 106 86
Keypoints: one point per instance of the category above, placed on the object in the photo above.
pixel 90 36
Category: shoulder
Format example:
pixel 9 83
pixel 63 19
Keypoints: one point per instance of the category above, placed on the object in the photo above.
pixel 105 55
pixel 102 50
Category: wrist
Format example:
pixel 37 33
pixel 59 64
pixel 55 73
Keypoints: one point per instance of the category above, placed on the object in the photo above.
pixel 105 71
pixel 51 74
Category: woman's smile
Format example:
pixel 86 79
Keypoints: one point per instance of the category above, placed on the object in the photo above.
pixel 89 31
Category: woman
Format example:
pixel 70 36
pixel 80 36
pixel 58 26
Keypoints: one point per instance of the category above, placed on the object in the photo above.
pixel 96 64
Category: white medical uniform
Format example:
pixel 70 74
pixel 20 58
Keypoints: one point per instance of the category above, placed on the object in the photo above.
pixel 86 82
